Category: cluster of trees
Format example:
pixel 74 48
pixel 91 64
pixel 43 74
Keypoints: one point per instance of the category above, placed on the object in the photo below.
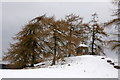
pixel 45 37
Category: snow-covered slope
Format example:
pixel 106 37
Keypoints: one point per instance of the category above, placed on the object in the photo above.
pixel 85 66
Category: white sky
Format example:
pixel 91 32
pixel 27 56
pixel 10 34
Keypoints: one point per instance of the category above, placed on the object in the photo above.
pixel 15 15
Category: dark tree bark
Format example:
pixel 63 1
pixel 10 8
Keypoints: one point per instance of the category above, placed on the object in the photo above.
pixel 55 44
pixel 93 40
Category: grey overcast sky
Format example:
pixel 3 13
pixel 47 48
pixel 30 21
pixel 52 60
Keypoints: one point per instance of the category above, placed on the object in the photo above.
pixel 16 14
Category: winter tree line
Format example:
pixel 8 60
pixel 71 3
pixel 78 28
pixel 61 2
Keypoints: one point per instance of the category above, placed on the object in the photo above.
pixel 44 38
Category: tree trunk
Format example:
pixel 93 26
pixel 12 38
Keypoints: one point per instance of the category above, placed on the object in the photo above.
pixel 54 57
pixel 33 57
pixel 54 60
pixel 93 40
pixel 69 55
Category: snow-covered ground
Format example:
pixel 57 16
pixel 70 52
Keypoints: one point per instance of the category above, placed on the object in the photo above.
pixel 86 66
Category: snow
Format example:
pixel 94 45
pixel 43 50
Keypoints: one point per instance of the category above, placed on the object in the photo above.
pixel 83 45
pixel 86 66
pixel 4 62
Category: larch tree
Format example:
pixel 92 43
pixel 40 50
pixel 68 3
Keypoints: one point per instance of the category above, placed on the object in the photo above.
pixel 30 44
pixel 97 33
pixel 115 22
pixel 58 39
pixel 26 51
pixel 78 32
pixel 53 34
pixel 72 34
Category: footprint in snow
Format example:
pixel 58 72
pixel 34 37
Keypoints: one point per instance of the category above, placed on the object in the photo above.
pixel 84 71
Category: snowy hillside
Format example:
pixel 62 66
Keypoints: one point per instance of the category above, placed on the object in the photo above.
pixel 86 66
